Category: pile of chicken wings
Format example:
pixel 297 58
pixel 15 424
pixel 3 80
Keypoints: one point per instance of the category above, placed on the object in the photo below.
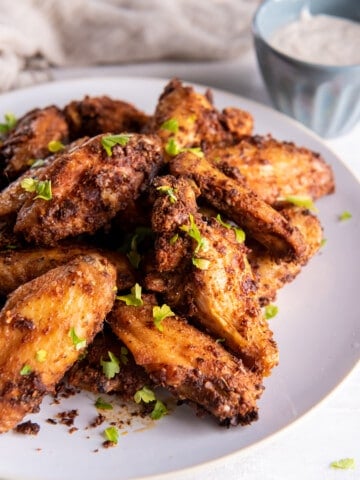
pixel 163 236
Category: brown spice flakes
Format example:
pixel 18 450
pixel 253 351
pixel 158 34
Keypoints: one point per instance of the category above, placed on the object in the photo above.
pixel 51 421
pixel 97 421
pixel 67 417
pixel 28 428
pixel 108 444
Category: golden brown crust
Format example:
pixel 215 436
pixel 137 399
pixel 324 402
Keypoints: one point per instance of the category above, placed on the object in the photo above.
pixel 274 169
pixel 88 188
pixel 39 316
pixel 30 138
pixel 94 115
pixel 189 363
pixel 242 205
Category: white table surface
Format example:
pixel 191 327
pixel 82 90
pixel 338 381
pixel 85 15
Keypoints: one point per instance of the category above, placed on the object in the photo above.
pixel 332 429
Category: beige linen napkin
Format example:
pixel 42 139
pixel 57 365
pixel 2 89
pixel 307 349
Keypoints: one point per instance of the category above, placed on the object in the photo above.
pixel 37 34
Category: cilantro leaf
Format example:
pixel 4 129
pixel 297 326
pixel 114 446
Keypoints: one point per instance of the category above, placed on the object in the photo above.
pixel 174 239
pixel 345 215
pixel 172 125
pixel 36 163
pixel 300 201
pixel 41 187
pixel 78 342
pixel 239 232
pixel 40 356
pixel 110 367
pixel 343 464
pixel 9 123
pixel 144 395
pixel 195 234
pixel 159 410
pixel 109 141
pixel 112 434
pixel 55 146
pixel 168 191
pixel 102 405
pixel 200 263
pixel 26 370
pixel 172 148
pixel 133 298
pixel 271 311
pixel 159 314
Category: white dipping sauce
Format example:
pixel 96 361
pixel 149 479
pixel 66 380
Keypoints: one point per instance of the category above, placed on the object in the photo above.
pixel 320 39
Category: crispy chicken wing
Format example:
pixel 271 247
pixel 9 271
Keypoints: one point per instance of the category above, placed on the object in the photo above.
pixel 189 363
pixel 44 326
pixel 195 121
pixel 30 138
pixel 88 373
pixel 89 187
pixel 273 273
pixel 274 169
pixel 94 115
pixel 214 276
pixel 19 266
pixel 241 205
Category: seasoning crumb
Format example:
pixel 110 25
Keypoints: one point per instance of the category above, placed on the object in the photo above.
pixel 97 421
pixel 96 450
pixel 73 430
pixel 108 444
pixel 28 428
pixel 67 417
pixel 51 421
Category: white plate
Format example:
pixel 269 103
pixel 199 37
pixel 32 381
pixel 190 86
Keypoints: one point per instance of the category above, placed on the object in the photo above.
pixel 317 329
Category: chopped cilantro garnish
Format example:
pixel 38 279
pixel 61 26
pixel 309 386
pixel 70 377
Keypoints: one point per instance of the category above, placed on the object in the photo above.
pixel 133 298
pixel 133 255
pixel 323 242
pixel 271 311
pixel 110 367
pixel 78 343
pixel 144 395
pixel 26 370
pixel 8 124
pixel 109 141
pixel 130 246
pixel 168 191
pixel 159 410
pixel 159 314
pixel 343 464
pixel 174 239
pixel 102 405
pixel 172 148
pixel 41 187
pixel 40 356
pixel 345 215
pixel 124 355
pixel 172 125
pixel 300 201
pixel 111 434
pixel 55 146
pixel 220 340
pixel 195 234
pixel 201 263
pixel 239 232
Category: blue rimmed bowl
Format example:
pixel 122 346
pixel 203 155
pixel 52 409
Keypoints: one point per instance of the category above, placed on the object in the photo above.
pixel 324 98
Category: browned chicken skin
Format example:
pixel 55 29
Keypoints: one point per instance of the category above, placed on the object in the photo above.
pixel 221 294
pixel 19 266
pixel 272 273
pixel 30 138
pixel 189 363
pixel 242 205
pixel 88 188
pixel 41 316
pixel 274 169
pixel 94 115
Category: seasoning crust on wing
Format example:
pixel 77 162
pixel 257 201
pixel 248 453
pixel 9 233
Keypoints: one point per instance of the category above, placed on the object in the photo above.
pixel 41 316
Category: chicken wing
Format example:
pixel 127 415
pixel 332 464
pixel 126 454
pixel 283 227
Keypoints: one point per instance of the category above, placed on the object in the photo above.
pixel 189 119
pixel 241 205
pixel 271 273
pixel 274 169
pixel 30 138
pixel 19 266
pixel 189 363
pixel 94 115
pixel 44 327
pixel 89 186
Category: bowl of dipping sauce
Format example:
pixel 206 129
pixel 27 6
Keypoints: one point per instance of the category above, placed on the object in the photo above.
pixel 308 52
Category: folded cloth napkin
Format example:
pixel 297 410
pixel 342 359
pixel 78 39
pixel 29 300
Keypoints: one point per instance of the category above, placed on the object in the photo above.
pixel 38 34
